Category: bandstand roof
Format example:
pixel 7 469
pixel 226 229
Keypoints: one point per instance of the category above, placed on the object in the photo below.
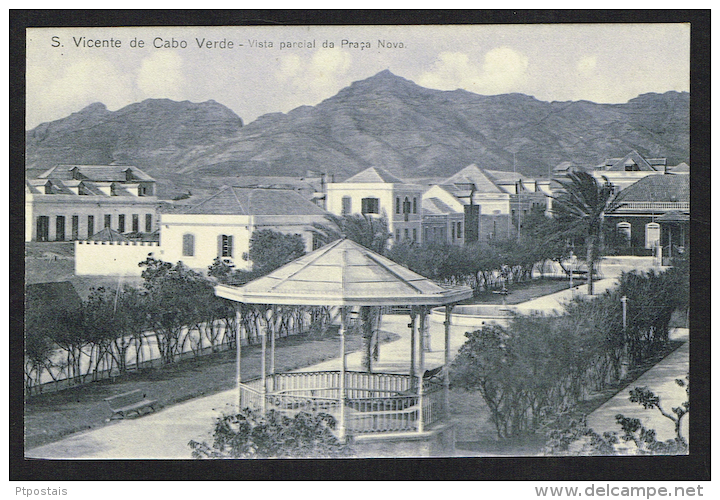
pixel 343 273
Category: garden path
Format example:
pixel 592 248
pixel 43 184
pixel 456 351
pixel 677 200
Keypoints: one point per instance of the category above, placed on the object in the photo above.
pixel 165 434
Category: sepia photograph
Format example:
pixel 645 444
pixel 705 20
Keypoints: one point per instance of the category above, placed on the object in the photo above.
pixel 359 241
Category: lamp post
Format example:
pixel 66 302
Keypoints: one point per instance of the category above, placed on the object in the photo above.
pixel 625 362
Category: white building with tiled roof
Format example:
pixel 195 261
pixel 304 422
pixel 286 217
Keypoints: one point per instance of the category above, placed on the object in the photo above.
pixel 375 192
pixel 222 225
pixel 73 202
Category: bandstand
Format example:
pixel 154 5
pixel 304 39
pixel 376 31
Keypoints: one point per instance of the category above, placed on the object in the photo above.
pixel 367 405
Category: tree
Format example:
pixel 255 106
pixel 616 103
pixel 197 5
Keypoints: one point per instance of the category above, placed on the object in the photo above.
pixel 580 209
pixel 172 295
pixel 271 249
pixel 370 232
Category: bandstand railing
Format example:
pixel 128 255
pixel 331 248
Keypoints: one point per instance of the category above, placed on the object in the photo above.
pixel 374 402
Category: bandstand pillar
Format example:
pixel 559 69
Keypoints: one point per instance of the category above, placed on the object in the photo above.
pixel 343 370
pixel 263 369
pixel 238 342
pixel 421 370
pixel 270 315
pixel 446 377
pixel 413 351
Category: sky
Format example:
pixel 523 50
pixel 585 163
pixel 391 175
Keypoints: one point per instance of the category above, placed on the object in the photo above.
pixel 278 68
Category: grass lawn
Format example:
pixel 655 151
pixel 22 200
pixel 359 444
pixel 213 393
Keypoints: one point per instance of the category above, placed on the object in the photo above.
pixel 52 416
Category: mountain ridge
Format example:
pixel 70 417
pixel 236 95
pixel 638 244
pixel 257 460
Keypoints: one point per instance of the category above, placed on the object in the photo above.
pixel 385 121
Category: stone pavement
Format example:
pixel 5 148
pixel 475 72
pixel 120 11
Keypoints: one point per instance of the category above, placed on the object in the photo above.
pixel 165 434
pixel 661 380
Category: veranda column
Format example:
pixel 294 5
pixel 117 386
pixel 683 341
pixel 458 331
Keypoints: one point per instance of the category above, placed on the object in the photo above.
pixel 446 377
pixel 421 371
pixel 238 342
pixel 343 370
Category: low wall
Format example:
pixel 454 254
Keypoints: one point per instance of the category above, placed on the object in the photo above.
pixel 112 258
pixel 474 315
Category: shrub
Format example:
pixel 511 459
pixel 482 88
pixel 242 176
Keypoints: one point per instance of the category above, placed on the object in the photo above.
pixel 275 435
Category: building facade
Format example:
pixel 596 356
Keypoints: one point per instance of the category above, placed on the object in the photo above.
pixel 222 225
pixel 492 202
pixel 73 202
pixel 651 208
pixel 375 192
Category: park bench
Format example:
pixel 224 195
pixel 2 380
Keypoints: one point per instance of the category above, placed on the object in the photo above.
pixel 128 402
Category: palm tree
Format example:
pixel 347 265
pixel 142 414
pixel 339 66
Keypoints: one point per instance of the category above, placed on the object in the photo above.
pixel 370 232
pixel 580 209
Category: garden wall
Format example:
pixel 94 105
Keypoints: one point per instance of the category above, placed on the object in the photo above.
pixel 113 258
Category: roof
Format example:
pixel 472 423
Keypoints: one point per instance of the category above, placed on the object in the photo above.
pixel 437 206
pixel 633 157
pixel 375 175
pixel 673 216
pixel 343 273
pixel 653 188
pixel 60 295
pixel 255 201
pixel 506 177
pixel 100 173
pixel 107 234
pixel 472 174
pixel 680 168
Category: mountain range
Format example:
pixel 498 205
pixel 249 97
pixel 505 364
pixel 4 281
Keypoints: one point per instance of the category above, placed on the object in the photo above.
pixel 385 120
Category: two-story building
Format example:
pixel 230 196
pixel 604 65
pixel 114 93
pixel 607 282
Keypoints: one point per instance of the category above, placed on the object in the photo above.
pixel 493 202
pixel 73 202
pixel 375 192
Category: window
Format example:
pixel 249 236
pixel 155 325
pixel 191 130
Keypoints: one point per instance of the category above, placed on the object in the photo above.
pixel 226 245
pixel 415 235
pixel 75 227
pixel 407 233
pixel 346 205
pixel 406 207
pixel 121 223
pixel 43 228
pixel 316 242
pixel 135 223
pixel 397 205
pixel 91 226
pixel 188 249
pixel 625 229
pixel 108 220
pixel 397 235
pixel 148 223
pixel 414 205
pixel 370 206
pixel 652 235
pixel 60 228
pixel 452 225
pixel 459 229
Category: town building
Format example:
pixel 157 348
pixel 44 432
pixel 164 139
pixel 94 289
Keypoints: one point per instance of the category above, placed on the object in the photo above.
pixel 375 192
pixel 222 225
pixel 73 202
pixel 622 172
pixel 493 202
pixel 655 211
